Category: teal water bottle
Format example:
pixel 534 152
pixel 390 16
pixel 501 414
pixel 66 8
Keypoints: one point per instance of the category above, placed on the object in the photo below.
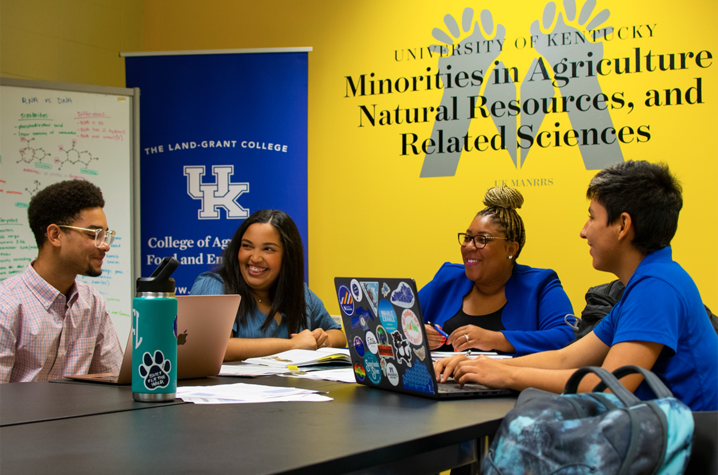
pixel 154 336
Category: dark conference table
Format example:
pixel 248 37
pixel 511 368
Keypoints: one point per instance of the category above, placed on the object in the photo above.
pixel 88 428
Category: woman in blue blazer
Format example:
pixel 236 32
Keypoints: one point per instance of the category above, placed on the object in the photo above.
pixel 491 302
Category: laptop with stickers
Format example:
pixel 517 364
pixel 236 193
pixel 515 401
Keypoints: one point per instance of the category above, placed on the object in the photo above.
pixel 204 325
pixel 387 340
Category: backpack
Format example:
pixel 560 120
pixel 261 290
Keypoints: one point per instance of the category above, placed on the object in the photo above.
pixel 599 302
pixel 597 432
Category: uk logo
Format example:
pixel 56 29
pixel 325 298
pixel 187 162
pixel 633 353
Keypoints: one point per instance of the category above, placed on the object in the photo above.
pixel 220 194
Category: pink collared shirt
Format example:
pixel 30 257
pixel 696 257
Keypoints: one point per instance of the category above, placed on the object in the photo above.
pixel 44 335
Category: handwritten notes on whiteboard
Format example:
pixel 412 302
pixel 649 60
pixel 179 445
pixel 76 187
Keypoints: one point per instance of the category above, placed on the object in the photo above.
pixel 50 135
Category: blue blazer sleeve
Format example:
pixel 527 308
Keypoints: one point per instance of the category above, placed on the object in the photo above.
pixel 441 298
pixel 535 310
pixel 533 315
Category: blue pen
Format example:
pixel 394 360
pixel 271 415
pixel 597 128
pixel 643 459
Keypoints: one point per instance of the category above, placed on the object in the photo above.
pixel 441 332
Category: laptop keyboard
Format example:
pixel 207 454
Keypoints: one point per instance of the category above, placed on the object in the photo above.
pixel 453 387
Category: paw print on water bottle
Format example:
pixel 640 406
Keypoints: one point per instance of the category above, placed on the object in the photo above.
pixel 155 371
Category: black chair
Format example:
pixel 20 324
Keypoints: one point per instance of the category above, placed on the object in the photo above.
pixel 704 456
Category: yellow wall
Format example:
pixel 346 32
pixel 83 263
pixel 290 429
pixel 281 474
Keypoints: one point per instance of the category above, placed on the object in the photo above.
pixel 75 41
pixel 369 212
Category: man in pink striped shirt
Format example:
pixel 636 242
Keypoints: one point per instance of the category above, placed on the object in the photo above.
pixel 51 324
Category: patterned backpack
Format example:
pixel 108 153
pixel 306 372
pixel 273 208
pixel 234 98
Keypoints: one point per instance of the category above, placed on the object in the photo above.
pixel 594 433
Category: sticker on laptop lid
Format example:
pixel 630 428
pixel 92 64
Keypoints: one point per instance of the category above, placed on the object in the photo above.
pixel 392 374
pixel 371 342
pixel 387 315
pixel 418 379
pixel 357 323
pixel 359 371
pixel 356 290
pixel 371 290
pixel 359 346
pixel 385 289
pixel 346 301
pixel 420 353
pixel 364 316
pixel 403 296
pixel 412 328
pixel 383 343
pixel 403 350
pixel 373 370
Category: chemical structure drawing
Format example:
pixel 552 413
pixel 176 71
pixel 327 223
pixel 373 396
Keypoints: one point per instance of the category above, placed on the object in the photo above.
pixel 29 154
pixel 34 190
pixel 74 156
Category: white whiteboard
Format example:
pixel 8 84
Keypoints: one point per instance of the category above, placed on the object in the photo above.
pixel 52 132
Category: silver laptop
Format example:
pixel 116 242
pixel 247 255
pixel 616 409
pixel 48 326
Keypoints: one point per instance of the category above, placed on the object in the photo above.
pixel 204 326
pixel 387 340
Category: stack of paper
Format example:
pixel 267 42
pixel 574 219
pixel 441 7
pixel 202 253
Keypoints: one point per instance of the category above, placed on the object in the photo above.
pixel 246 370
pixel 241 393
pixel 304 358
pixel 342 375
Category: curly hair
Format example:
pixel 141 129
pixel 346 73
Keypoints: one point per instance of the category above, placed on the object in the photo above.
pixel 61 204
pixel 648 192
pixel 287 292
pixel 501 204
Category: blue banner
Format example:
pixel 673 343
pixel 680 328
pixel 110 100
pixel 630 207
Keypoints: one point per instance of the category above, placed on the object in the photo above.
pixel 221 136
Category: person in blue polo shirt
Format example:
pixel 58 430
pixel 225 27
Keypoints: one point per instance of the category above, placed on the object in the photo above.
pixel 660 322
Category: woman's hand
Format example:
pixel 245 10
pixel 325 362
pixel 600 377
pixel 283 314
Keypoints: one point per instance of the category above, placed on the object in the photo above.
pixel 303 340
pixel 471 336
pixel 322 338
pixel 434 338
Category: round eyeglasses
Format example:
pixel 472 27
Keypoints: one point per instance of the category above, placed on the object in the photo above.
pixel 101 236
pixel 480 241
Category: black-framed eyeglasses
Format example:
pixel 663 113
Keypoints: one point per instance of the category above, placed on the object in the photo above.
pixel 101 236
pixel 480 241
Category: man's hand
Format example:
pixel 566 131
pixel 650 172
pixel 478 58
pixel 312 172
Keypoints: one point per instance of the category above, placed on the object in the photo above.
pixel 483 370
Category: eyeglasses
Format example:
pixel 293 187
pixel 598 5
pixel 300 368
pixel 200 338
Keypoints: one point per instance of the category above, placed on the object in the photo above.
pixel 101 236
pixel 480 241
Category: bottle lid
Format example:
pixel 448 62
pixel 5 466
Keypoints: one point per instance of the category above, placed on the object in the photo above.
pixel 160 280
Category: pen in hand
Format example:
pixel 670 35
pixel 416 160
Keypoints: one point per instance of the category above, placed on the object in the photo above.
pixel 438 329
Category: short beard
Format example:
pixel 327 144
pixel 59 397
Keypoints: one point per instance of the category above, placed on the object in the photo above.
pixel 90 272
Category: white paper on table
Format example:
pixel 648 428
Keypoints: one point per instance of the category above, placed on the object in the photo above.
pixel 302 398
pixel 302 357
pixel 245 393
pixel 437 355
pixel 342 375
pixel 248 370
